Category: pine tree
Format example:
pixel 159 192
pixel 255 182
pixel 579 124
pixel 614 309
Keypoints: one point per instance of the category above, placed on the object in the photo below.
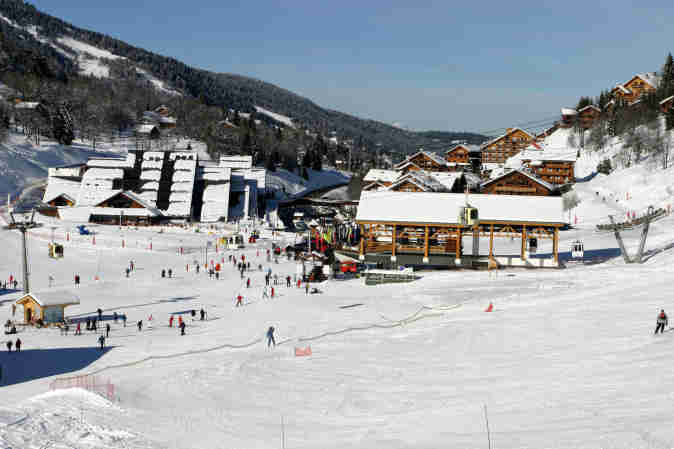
pixel 667 80
pixel 584 101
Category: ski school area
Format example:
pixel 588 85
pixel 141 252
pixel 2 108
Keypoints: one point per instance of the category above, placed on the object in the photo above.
pixel 550 357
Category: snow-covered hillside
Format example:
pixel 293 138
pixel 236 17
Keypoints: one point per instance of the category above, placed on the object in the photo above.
pixel 23 163
pixel 278 117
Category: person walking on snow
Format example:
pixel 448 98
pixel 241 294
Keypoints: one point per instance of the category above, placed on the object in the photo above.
pixel 171 321
pixel 661 321
pixel 248 283
pixel 239 300
pixel 182 328
pixel 107 330
pixel 180 322
pixel 201 314
pixel 170 272
pixel 270 337
pixel 140 325
pixel 9 345
pixel 101 341
pixel 78 331
pixel 18 345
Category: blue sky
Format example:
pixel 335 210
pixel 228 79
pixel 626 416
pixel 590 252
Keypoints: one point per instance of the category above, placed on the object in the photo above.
pixel 425 64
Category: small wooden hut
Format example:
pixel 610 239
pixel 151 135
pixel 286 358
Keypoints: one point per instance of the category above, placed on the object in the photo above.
pixel 47 306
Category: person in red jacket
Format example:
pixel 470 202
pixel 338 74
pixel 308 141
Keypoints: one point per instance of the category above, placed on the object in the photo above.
pixel 239 300
pixel 662 321
pixel 171 321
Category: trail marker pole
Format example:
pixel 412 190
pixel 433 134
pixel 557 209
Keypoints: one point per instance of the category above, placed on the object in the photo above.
pixel 486 419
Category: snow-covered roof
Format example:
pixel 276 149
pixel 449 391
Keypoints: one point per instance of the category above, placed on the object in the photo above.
pixel 432 156
pixel 53 298
pixel 214 173
pixel 375 174
pixel 510 131
pixel 470 148
pixel 236 161
pixel 102 173
pixel 403 165
pixel 537 180
pixel 425 181
pixel 548 154
pixel 60 186
pixel 622 88
pixel 168 120
pixel 215 202
pixel 667 99
pixel 149 207
pixel 589 106
pixel 651 78
pixel 144 128
pixel 109 162
pixel 443 208
pixel 27 105
pixel 569 111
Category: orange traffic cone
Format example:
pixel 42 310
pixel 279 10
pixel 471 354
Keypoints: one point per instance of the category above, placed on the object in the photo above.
pixel 490 308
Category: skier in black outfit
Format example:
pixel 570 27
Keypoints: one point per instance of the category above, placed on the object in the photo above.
pixel 163 273
pixel 140 325
pixel 182 328
pixel 201 314
pixel 662 321
pixel 107 330
pixel 101 340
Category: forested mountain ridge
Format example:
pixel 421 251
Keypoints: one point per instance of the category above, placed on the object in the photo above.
pixel 27 28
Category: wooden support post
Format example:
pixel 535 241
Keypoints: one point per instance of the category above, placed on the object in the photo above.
pixel 555 244
pixel 393 244
pixel 491 241
pixel 361 256
pixel 457 260
pixel 425 244
pixel 523 254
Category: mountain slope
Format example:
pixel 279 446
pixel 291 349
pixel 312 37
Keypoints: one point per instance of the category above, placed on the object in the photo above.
pixel 71 51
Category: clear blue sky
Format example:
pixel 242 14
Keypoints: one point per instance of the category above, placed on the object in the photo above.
pixel 425 64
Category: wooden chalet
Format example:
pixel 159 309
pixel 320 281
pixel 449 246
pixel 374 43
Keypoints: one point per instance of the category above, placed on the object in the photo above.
pixel 568 118
pixel 431 226
pixel 633 89
pixel 496 151
pixel 62 200
pixel 375 185
pixel 421 181
pixel 587 116
pixel 666 104
pixel 458 157
pixel 517 182
pixel 47 306
pixel 381 177
pixel 424 160
pixel 554 166
pixel 407 167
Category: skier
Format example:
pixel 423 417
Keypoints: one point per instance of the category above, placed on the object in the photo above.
pixel 264 293
pixel 170 272
pixel 18 345
pixel 272 292
pixel 163 273
pixel 239 300
pixel 101 340
pixel 197 268
pixel 287 281
pixel 306 287
pixel 107 330
pixel 140 325
pixel 77 279
pixel 193 313
pixel 78 331
pixel 171 321
pixel 248 283
pixel 182 328
pixel 9 345
pixel 131 265
pixel 114 316
pixel 201 314
pixel 127 271
pixel 180 322
pixel 270 337
pixel 661 321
